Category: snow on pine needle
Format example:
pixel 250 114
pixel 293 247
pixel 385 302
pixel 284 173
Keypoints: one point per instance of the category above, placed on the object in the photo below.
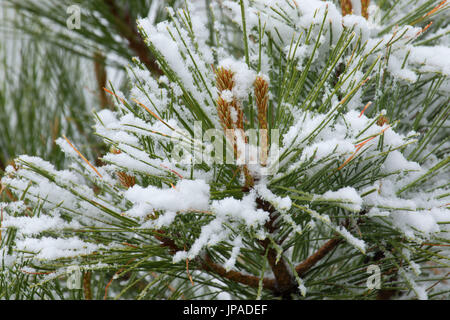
pixel 354 157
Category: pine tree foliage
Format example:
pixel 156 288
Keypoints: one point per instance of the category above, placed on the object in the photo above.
pixel 350 104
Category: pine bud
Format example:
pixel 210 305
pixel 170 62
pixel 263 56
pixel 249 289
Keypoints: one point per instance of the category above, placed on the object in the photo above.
pixel 262 99
pixel 346 7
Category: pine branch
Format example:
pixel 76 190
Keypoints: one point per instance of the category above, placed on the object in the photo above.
pixel 312 260
pixel 284 280
pixel 207 264
pixel 252 281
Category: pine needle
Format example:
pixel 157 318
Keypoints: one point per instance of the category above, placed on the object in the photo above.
pixel 350 158
pixel 365 107
pixel 82 157
pixel 173 171
pixel 188 273
pixel 435 9
pixel 152 113
pixel 115 95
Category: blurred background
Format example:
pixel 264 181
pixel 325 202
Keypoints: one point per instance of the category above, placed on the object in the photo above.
pixel 55 58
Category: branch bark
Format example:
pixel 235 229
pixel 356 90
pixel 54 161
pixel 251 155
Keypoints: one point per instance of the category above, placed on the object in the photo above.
pixel 208 265
pixel 285 282
pixel 312 260
pixel 252 281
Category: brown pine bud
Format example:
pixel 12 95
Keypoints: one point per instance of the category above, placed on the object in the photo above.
pixel 239 115
pixel 224 79
pixel 223 110
pixel 224 82
pixel 365 8
pixel 262 99
pixel 346 7
pixel 126 180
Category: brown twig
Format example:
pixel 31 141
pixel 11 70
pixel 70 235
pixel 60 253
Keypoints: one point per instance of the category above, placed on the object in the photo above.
pixel 101 77
pixel 285 283
pixel 252 281
pixel 208 265
pixel 87 285
pixel 312 260
pixel 126 27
